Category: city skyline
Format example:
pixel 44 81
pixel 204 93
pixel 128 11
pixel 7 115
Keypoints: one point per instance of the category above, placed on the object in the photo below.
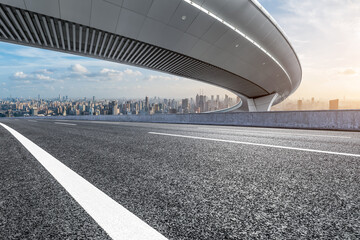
pixel 63 105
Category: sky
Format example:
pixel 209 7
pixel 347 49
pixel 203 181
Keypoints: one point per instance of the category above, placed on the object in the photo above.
pixel 324 33
pixel 326 37
pixel 26 72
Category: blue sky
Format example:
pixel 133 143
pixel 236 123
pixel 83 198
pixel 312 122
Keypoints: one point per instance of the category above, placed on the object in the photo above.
pixel 27 72
pixel 324 33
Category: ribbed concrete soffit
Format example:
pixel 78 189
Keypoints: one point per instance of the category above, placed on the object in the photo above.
pixel 28 28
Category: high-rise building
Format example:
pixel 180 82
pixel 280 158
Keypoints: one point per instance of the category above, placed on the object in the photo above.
pixel 226 101
pixel 34 111
pixel 334 104
pixel 202 102
pixel 146 104
pixel 114 108
pixel 197 100
pixel 185 105
pixel 299 105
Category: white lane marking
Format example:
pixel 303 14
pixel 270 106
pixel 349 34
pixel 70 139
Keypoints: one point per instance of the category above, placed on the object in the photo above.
pixel 257 144
pixel 276 133
pixel 70 124
pixel 32 121
pixel 117 221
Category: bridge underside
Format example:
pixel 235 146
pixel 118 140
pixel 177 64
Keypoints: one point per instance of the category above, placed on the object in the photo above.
pixel 24 27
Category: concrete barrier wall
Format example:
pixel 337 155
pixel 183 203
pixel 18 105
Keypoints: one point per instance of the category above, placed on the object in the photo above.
pixel 330 120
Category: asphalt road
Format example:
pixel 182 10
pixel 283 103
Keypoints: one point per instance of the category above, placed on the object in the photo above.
pixel 196 182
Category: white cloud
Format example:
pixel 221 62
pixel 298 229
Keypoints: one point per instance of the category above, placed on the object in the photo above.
pixel 348 72
pixel 43 77
pixel 109 71
pixel 46 71
pixel 25 78
pixel 131 72
pixel 20 75
pixel 163 78
pixel 78 69
pixel 110 75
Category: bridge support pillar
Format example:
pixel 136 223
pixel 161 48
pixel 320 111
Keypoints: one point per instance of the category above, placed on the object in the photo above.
pixel 261 104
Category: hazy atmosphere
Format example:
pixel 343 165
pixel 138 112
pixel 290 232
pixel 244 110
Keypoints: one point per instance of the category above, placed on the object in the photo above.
pixel 326 35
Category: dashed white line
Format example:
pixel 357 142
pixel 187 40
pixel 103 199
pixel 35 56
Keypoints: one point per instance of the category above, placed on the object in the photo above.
pixel 274 133
pixel 257 144
pixel 62 123
pixel 117 221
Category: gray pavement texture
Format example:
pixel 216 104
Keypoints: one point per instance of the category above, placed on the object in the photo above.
pixel 186 188
pixel 32 204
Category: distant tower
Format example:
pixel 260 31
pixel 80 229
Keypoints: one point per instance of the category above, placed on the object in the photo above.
pixel 226 101
pixel 202 102
pixel 197 100
pixel 212 102
pixel 146 104
pixel 334 104
pixel 34 111
pixel 299 104
pixel 114 107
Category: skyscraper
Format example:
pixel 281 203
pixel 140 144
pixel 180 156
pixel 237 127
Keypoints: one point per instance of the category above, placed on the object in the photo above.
pixel 299 104
pixel 197 101
pixel 185 105
pixel 202 102
pixel 114 108
pixel 226 101
pixel 334 104
pixel 146 104
pixel 34 111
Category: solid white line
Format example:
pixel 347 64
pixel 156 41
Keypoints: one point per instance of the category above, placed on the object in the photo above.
pixel 258 144
pixel 117 221
pixel 32 121
pixel 70 124
pixel 276 133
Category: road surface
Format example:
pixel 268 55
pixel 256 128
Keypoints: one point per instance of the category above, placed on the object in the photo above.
pixel 181 181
